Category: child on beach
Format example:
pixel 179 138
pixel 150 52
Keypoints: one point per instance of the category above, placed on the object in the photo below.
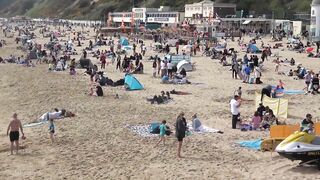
pixel 256 120
pixel 163 130
pixel 51 130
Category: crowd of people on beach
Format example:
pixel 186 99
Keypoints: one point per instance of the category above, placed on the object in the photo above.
pixel 248 69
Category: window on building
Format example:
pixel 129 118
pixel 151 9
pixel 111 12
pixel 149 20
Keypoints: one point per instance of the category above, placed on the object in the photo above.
pixel 312 12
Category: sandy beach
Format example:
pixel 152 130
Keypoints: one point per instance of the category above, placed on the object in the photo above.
pixel 96 144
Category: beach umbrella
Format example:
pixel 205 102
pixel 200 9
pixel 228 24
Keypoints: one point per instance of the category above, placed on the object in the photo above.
pixel 309 50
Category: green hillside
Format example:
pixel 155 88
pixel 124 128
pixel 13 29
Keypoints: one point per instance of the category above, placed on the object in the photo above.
pixel 95 9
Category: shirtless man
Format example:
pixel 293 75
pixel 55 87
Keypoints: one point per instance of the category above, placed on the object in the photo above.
pixel 14 127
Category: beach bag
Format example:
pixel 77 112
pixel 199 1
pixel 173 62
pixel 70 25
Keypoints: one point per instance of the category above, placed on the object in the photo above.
pixel 168 132
pixel 246 127
pixel 251 80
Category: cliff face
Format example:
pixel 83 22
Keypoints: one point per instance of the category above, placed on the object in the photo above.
pixel 95 9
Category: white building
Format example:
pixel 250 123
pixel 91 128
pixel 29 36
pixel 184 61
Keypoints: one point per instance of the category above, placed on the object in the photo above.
pixel 315 20
pixel 208 8
pixel 147 16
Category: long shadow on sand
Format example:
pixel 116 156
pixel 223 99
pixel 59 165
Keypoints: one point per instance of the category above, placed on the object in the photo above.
pixel 305 169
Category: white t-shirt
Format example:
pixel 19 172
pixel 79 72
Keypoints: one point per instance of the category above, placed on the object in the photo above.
pixel 163 65
pixel 170 65
pixel 234 107
pixel 55 115
pixel 52 115
pixel 257 72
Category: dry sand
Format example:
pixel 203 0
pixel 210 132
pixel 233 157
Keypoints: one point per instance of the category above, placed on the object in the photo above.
pixel 96 145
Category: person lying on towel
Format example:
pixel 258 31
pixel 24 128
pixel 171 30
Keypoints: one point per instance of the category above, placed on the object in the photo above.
pixel 57 114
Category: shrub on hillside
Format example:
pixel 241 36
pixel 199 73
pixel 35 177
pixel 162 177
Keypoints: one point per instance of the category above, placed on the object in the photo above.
pixel 84 3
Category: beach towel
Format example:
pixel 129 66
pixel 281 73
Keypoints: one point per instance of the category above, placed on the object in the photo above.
pixel 142 130
pixel 34 124
pixel 293 92
pixel 203 129
pixel 253 144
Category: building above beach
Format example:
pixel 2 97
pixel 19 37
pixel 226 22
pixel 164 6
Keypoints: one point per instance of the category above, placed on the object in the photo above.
pixel 315 20
pixel 146 16
pixel 207 9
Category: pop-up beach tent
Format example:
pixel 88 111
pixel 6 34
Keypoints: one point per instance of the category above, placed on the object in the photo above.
pixel 184 65
pixel 124 41
pixel 253 48
pixel 132 83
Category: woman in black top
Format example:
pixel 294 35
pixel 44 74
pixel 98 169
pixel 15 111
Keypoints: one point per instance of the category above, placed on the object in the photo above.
pixel 181 127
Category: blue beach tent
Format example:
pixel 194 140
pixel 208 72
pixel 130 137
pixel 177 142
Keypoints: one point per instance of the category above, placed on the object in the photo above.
pixel 253 48
pixel 132 83
pixel 124 41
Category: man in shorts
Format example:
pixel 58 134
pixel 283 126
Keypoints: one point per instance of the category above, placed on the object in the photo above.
pixel 14 127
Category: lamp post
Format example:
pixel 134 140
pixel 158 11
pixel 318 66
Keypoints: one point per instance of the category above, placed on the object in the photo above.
pixel 273 23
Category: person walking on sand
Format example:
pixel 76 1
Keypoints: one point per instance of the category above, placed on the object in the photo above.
pixel 181 127
pixel 163 130
pixel 14 135
pixel 51 130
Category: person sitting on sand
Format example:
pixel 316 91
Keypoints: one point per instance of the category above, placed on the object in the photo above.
pixel 183 73
pixel 163 130
pixel 292 62
pixel 165 79
pixel 72 71
pixel 139 68
pixel 14 127
pixel 261 110
pixel 307 123
pixel 196 124
pixel 256 120
pixel 268 120
pixel 153 100
pixel 163 98
pixel 98 91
